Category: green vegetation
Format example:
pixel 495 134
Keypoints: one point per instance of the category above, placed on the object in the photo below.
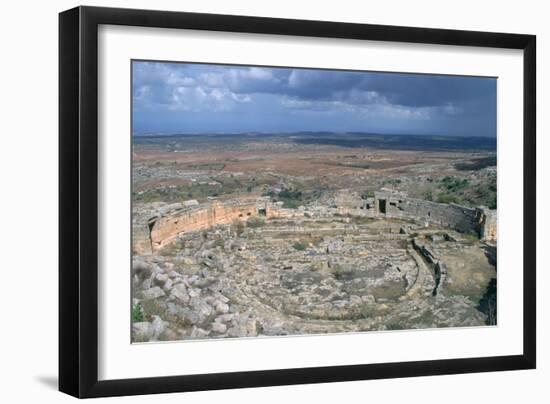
pixel 354 165
pixel 448 198
pixel 454 184
pixel 218 243
pixel 213 187
pixel 367 194
pixel 477 164
pixel 255 222
pixel 207 166
pixel 137 313
pixel 299 246
pixel 493 202
pixel 462 191
pixel 293 198
pixel 393 181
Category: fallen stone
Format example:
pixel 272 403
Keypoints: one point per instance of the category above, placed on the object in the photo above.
pixel 168 285
pixel 189 316
pixel 142 331
pixel 237 332
pixel 179 291
pixel 199 333
pixel 221 308
pixel 158 326
pixel 219 328
pixel 141 268
pixel 153 293
pixel 224 318
pixel 173 274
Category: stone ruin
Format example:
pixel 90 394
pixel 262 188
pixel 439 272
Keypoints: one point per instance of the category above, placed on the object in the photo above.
pixel 170 221
pixel 342 264
pixel 388 203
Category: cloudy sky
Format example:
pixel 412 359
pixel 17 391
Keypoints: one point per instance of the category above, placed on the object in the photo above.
pixel 189 98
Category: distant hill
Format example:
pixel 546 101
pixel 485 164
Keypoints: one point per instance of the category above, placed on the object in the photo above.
pixel 348 139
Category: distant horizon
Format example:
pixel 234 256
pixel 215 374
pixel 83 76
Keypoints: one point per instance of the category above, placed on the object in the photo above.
pixel 184 98
pixel 301 131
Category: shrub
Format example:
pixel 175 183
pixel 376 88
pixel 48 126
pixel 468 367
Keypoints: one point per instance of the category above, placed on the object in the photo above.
pixel 299 246
pixel 367 194
pixel 255 222
pixel 493 202
pixel 454 184
pixel 446 198
pixel 137 313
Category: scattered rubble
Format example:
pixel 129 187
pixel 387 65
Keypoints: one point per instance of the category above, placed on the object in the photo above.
pixel 317 270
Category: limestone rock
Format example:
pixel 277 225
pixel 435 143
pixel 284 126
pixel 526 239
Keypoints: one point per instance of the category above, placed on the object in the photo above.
pixel 219 328
pixel 199 333
pixel 221 308
pixel 152 293
pixel 158 327
pixel 142 331
pixel 179 291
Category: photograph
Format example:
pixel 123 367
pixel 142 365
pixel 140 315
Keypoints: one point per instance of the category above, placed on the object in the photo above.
pixel 282 201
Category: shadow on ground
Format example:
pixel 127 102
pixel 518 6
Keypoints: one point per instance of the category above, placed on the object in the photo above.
pixel 48 381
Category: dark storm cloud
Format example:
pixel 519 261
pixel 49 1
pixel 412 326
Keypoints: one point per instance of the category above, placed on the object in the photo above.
pixel 415 90
pixel 428 90
pixel 303 98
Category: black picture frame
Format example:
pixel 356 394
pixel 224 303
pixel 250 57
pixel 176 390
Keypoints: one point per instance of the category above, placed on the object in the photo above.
pixel 78 201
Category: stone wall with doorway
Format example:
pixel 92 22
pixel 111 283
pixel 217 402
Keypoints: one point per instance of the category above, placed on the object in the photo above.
pixel 460 218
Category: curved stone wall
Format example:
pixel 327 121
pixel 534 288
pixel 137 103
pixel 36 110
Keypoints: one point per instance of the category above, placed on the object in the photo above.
pixel 173 220
pixel 163 228
pixel 481 221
